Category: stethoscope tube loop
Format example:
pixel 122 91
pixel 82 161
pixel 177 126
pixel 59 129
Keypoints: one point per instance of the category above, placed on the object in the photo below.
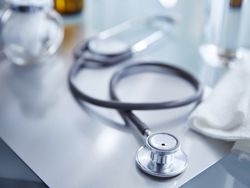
pixel 128 106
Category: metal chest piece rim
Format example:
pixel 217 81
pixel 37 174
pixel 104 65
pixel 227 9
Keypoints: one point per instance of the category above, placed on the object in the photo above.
pixel 161 156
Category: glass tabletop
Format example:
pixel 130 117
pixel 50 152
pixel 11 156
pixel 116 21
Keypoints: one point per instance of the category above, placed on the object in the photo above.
pixel 231 171
pixel 14 172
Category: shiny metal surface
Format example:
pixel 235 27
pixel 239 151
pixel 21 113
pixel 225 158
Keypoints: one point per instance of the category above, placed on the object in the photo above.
pixel 69 147
pixel 162 156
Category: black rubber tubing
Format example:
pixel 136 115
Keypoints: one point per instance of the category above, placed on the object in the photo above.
pixel 125 108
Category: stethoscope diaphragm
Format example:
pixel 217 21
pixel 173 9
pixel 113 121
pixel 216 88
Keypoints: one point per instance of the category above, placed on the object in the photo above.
pixel 161 156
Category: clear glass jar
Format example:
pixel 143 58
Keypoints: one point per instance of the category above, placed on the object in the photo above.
pixel 31 31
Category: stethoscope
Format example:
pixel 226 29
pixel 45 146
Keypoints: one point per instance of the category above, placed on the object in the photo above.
pixel 161 156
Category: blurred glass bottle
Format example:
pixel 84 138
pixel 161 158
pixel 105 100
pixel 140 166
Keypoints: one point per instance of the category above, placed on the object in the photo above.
pixel 31 31
pixel 68 6
pixel 223 27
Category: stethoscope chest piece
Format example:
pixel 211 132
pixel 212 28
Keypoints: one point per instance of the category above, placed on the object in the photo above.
pixel 161 156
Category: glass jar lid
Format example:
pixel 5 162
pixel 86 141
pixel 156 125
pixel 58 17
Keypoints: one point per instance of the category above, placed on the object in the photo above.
pixel 30 5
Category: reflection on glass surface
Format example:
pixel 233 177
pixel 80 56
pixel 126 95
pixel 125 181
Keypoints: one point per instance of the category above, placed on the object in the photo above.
pixel 230 172
pixel 14 173
pixel 26 84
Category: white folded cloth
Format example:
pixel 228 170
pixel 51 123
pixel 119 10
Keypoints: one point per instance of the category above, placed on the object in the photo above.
pixel 225 113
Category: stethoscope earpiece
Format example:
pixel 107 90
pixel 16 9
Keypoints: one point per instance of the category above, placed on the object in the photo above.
pixel 161 156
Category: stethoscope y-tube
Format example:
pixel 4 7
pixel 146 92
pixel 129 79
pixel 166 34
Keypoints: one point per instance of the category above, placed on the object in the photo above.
pixel 161 156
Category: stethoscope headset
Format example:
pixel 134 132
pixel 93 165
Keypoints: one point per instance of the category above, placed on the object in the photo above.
pixel 161 156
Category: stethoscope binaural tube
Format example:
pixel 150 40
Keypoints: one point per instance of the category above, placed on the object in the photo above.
pixel 107 51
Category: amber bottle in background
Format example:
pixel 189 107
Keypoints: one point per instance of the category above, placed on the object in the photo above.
pixel 68 6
